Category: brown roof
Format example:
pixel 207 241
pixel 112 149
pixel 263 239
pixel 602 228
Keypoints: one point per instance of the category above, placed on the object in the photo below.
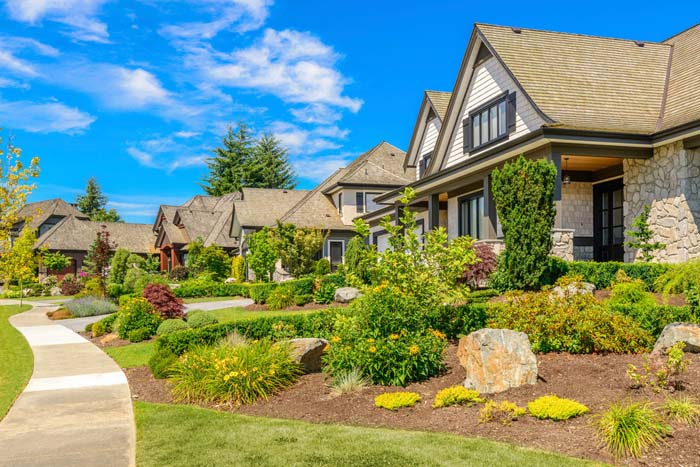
pixel 40 211
pixel 380 166
pixel 316 209
pixel 439 100
pixel 261 207
pixel 586 81
pixel 683 95
pixel 74 234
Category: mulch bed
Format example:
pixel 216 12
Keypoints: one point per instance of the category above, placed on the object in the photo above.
pixel 109 340
pixel 307 307
pixel 594 380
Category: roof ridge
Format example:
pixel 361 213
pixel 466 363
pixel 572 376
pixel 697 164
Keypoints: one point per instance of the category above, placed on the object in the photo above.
pixel 592 36
pixel 679 33
pixel 664 96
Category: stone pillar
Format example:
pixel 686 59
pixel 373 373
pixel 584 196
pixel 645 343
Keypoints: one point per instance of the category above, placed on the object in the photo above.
pixel 563 244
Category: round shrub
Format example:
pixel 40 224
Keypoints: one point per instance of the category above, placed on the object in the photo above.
pixel 179 273
pixel 201 319
pixel 97 329
pixel 323 267
pixel 161 363
pixel 555 408
pixel 70 285
pixel 396 400
pixel 140 334
pixel 234 374
pixel 456 395
pixel 171 325
pixel 280 298
pixel 303 299
pixel 137 313
pixel 164 301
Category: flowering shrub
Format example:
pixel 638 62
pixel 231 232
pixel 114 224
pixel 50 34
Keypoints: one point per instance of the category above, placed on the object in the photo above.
pixel 280 298
pixel 575 324
pixel 136 313
pixel 90 306
pixel 234 374
pixel 396 400
pixel 456 395
pixel 164 301
pixel 555 408
pixel 504 412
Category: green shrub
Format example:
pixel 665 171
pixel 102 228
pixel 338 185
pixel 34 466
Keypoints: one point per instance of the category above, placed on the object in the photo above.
pixel 238 268
pixel 90 306
pixel 161 363
pixel 456 395
pixel 482 296
pixel 202 319
pixel 207 288
pixel 136 280
pixel 70 285
pixel 115 290
pixel 679 278
pixel 92 288
pixel 396 400
pixel 137 314
pixel 105 325
pixel 260 292
pixel 280 298
pixel 97 329
pixel 575 324
pixel 603 274
pixel 555 408
pixel 505 412
pixel 119 266
pixel 653 319
pixel 140 334
pixel 301 300
pixel 170 326
pixel 682 409
pixel 325 294
pixel 234 374
pixel 323 267
pixel 632 292
pixel 179 273
pixel 631 429
pixel 459 320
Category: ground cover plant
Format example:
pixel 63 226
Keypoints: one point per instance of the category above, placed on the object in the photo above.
pixel 504 412
pixel 555 408
pixel 17 358
pixel 90 306
pixel 396 400
pixel 683 409
pixel 456 395
pixel 631 428
pixel 234 375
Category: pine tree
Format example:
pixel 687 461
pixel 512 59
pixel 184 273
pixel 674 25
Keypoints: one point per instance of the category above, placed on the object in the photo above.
pixel 227 166
pixel 93 204
pixel 269 167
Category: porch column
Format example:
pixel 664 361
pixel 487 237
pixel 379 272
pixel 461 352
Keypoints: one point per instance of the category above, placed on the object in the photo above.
pixel 173 258
pixel 490 218
pixel 555 157
pixel 163 260
pixel 433 211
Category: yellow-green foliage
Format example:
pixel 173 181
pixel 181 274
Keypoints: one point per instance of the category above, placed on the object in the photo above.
pixel 396 400
pixel 456 395
pixel 555 408
pixel 238 268
pixel 631 429
pixel 682 409
pixel 504 412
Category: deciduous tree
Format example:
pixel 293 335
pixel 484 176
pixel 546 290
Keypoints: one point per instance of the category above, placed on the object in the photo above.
pixel 19 263
pixel 99 256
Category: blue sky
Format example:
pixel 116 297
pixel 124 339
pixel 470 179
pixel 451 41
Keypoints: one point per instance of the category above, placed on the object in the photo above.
pixel 137 93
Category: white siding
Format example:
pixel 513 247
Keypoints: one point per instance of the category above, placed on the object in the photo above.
pixel 432 129
pixel 489 81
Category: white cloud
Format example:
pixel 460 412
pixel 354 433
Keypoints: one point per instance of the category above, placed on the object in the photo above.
pixel 316 113
pixel 304 141
pixel 157 153
pixel 318 168
pixel 50 117
pixel 78 15
pixel 15 64
pixel 186 134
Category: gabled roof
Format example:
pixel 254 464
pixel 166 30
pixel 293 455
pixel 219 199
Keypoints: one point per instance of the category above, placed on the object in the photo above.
pixel 40 211
pixel 439 100
pixel 380 166
pixel 259 207
pixel 75 234
pixel 433 103
pixel 316 208
pixel 683 94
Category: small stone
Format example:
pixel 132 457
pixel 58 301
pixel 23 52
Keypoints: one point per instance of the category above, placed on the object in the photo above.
pixel 230 280
pixel 346 294
pixel 673 333
pixel 308 352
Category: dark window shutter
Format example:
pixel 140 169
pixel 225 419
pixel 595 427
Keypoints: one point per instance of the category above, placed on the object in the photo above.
pixel 360 201
pixel 510 112
pixel 467 134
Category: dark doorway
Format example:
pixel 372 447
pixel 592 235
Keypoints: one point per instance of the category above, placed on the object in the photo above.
pixel 336 248
pixel 608 221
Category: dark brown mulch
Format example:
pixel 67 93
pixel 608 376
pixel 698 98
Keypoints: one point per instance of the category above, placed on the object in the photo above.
pixel 307 307
pixel 595 380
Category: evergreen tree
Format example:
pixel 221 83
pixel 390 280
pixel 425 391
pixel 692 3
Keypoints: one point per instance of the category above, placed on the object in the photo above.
pixel 269 165
pixel 93 204
pixel 227 166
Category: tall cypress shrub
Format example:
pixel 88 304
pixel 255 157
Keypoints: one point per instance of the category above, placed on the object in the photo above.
pixel 524 195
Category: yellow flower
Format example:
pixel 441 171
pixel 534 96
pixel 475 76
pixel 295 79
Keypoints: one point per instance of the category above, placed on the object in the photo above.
pixel 394 337
pixel 234 374
pixel 413 349
pixel 272 372
pixel 335 339
pixel 226 378
pixel 372 349
pixel 438 334
pixel 370 340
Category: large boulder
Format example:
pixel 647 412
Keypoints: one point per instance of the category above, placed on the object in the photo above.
pixel 575 288
pixel 346 294
pixel 678 332
pixel 497 360
pixel 308 352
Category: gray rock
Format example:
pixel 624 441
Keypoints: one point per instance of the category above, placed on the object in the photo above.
pixel 678 332
pixel 579 288
pixel 497 360
pixel 346 294
pixel 230 280
pixel 308 352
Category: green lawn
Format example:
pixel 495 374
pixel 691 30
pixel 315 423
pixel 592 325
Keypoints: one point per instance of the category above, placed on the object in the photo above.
pixel 208 299
pixel 129 356
pixel 237 314
pixel 178 435
pixel 16 361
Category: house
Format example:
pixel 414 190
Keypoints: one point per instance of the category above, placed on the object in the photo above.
pixel 349 193
pixel 73 236
pixel 620 120
pixel 44 215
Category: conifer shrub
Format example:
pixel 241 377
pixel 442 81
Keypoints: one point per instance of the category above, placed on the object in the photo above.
pixel 238 268
pixel 456 395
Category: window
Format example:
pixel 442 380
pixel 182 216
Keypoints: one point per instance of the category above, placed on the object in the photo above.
pixel 424 163
pixel 490 123
pixel 360 202
pixel 471 210
pixel 340 204
pixel 370 205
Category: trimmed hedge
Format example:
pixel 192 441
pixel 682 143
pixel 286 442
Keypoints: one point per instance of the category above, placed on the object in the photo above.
pixel 602 274
pixel 257 291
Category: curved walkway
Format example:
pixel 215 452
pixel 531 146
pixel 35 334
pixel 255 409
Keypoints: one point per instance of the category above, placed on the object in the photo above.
pixel 76 409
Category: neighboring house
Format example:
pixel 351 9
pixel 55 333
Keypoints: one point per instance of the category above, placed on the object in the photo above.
pixel 44 215
pixel 73 237
pixel 620 119
pixel 349 193
pixel 205 217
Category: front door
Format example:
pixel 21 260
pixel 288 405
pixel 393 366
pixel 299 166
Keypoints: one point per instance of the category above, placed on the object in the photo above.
pixel 336 248
pixel 608 221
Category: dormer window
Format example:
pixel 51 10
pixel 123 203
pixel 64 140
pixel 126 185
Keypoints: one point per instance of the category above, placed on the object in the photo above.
pixel 489 123
pixel 423 164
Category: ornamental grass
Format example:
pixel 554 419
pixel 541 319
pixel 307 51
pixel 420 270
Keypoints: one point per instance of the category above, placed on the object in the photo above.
pixel 631 429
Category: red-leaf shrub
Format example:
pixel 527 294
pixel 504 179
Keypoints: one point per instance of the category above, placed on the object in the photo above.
pixel 70 285
pixel 164 301
pixel 478 273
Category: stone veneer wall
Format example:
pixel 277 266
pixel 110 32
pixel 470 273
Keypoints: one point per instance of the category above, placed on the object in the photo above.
pixel 670 183
pixel 576 212
pixel 563 244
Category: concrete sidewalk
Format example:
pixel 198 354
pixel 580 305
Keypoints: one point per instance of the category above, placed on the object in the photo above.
pixel 76 409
